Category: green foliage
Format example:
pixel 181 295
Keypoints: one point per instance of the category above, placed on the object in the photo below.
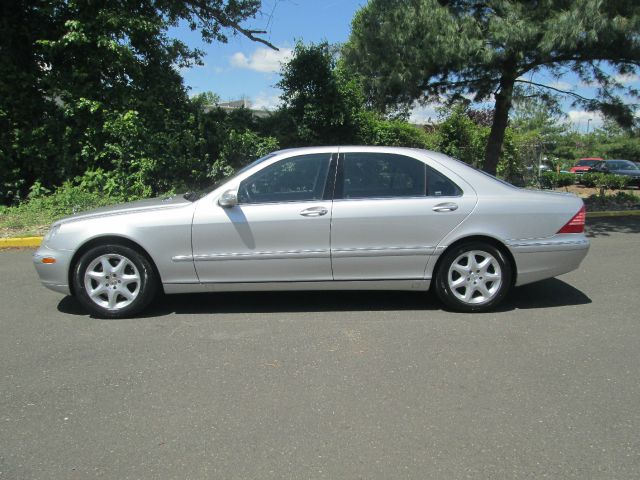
pixel 408 51
pixel 460 137
pixel 76 74
pixel 240 149
pixel 43 207
pixel 322 99
pixel 555 180
pixel 604 181
pixel 374 130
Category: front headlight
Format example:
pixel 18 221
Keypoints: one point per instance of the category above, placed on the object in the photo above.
pixel 51 233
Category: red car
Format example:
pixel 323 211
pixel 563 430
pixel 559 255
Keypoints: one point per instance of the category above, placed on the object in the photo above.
pixel 584 165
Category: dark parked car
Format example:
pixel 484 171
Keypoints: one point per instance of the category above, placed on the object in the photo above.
pixel 620 167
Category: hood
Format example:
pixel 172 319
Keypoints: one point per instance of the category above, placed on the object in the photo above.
pixel 149 204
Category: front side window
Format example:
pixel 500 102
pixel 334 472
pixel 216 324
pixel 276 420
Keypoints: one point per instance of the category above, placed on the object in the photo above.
pixel 294 179
pixel 384 175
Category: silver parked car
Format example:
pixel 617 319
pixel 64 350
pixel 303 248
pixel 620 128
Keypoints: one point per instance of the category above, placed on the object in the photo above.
pixel 349 218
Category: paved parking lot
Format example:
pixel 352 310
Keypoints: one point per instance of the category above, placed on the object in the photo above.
pixel 329 385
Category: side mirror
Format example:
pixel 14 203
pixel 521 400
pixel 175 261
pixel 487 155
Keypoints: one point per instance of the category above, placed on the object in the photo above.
pixel 228 199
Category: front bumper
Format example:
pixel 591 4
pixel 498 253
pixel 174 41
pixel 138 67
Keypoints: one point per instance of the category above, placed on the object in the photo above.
pixel 54 276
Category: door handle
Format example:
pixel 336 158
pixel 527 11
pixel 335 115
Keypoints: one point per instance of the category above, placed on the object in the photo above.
pixel 445 207
pixel 314 212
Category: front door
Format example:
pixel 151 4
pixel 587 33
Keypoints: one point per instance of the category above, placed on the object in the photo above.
pixel 279 231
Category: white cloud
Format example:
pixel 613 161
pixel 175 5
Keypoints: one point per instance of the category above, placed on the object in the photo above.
pixel 560 85
pixel 423 114
pixel 265 101
pixel 626 78
pixel 262 59
pixel 580 119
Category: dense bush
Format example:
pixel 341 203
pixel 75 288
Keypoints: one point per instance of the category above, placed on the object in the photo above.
pixel 604 182
pixel 555 180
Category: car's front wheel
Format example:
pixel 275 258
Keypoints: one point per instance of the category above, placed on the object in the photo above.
pixel 114 281
pixel 473 277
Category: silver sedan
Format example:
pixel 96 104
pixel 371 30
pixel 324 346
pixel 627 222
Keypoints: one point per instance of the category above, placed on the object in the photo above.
pixel 348 218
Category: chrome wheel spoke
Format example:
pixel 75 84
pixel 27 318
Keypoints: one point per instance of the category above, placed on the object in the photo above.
pixel 471 261
pixel 97 276
pixel 127 279
pixel 99 290
pixel 106 266
pixel 482 288
pixel 125 293
pixel 461 269
pixel 119 268
pixel 468 293
pixel 484 265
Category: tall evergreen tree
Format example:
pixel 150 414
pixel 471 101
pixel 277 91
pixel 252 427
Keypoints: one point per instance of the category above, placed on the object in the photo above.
pixel 410 50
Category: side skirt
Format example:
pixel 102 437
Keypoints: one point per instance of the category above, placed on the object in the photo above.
pixel 420 285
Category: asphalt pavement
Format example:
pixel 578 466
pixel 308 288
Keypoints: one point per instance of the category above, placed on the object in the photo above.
pixel 335 385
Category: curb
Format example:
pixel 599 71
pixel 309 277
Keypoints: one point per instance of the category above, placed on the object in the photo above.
pixel 19 242
pixel 618 213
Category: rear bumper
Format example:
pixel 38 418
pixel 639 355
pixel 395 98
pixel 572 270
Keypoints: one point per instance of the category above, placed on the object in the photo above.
pixel 538 259
pixel 54 276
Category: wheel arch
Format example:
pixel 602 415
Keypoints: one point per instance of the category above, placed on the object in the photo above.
pixel 494 242
pixel 109 240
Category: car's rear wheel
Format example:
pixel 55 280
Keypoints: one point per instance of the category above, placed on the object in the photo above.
pixel 473 277
pixel 114 281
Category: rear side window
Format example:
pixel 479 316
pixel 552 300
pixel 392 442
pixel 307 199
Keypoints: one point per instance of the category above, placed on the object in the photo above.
pixel 383 175
pixel 440 186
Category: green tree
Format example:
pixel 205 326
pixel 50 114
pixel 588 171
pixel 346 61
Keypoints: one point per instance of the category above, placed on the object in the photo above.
pixel 407 50
pixel 322 99
pixel 68 68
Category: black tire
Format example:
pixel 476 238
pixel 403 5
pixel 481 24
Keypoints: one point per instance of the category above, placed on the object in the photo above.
pixel 143 290
pixel 498 291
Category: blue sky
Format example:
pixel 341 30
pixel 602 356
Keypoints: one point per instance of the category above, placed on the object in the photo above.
pixel 244 68
pixel 241 68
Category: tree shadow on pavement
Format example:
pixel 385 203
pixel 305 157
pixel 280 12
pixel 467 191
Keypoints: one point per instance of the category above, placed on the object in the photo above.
pixel 605 226
pixel 544 294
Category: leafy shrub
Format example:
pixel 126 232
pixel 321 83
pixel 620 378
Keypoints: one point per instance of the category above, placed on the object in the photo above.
pixel 240 149
pixel 42 209
pixel 604 181
pixel 392 133
pixel 555 180
pixel 589 179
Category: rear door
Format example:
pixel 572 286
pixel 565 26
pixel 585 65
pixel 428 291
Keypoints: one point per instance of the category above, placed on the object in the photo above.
pixel 390 211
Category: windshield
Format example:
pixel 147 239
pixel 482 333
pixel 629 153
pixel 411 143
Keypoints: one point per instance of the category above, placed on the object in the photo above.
pixel 193 196
pixel 587 163
pixel 621 165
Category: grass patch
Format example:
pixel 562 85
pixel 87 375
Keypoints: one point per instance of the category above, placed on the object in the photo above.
pixel 33 217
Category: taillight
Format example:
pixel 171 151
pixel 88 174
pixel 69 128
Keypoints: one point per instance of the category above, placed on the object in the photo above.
pixel 576 224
